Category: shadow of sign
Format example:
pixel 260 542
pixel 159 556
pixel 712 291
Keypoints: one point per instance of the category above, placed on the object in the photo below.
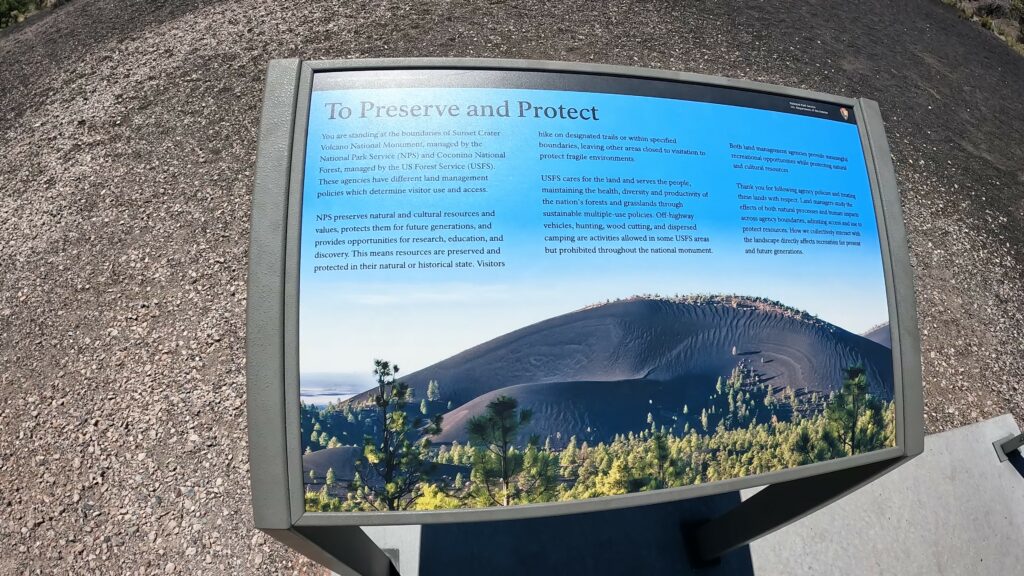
pixel 629 542
pixel 1016 459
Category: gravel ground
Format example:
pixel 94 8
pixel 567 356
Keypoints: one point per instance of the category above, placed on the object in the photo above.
pixel 128 135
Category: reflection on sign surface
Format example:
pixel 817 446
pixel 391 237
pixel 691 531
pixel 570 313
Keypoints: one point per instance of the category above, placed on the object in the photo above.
pixel 587 294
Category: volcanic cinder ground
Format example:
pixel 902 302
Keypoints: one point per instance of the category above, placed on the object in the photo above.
pixel 127 142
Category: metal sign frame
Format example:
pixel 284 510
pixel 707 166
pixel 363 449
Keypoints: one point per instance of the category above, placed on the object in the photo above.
pixel 272 337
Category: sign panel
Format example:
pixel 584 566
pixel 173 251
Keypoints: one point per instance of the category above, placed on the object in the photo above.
pixel 532 287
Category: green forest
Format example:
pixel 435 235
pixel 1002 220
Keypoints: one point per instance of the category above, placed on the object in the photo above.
pixel 746 427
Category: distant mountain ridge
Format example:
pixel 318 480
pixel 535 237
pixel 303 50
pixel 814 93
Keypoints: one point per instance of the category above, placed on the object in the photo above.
pixel 880 333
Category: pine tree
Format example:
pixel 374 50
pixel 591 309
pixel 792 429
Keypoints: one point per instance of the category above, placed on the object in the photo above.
pixel 616 481
pixel 538 480
pixel 659 451
pixel 330 477
pixel 433 391
pixel 497 461
pixel 423 407
pixel 567 459
pixel 325 503
pixel 855 416
pixel 395 462
pixel 434 498
pixel 456 452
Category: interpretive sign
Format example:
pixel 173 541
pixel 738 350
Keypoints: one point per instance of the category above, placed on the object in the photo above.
pixel 506 284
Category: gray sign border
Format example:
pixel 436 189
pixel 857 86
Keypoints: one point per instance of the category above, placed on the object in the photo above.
pixel 272 319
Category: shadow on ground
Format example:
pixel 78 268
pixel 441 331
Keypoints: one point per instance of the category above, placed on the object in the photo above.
pixel 646 541
pixel 1017 461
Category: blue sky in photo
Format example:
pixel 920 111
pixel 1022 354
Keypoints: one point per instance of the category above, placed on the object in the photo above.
pixel 417 317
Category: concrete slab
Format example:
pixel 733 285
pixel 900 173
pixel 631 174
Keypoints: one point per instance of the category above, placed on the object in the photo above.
pixel 401 543
pixel 956 509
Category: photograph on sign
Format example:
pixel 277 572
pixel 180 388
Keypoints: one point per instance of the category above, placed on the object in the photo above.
pixel 513 295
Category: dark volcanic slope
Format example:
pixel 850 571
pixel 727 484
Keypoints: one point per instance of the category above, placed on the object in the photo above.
pixel 342 461
pixel 592 411
pixel 658 340
pixel 606 367
pixel 880 334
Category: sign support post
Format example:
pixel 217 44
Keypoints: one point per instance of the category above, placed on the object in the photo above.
pixel 776 506
pixel 1006 446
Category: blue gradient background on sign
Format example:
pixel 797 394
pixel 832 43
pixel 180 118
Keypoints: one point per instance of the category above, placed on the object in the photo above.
pixel 418 317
